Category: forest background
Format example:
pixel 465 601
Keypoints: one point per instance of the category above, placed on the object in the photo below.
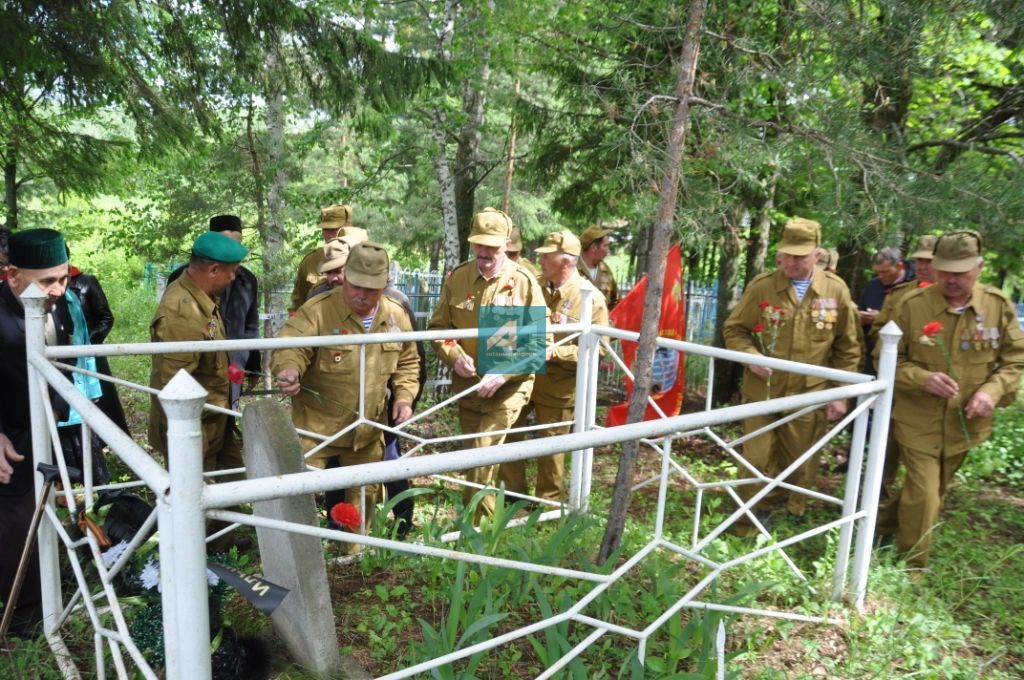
pixel 127 125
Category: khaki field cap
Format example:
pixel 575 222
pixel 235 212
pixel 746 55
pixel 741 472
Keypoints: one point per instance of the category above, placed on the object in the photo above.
pixel 828 259
pixel 354 235
pixel 800 237
pixel 561 242
pixel 367 266
pixel 516 239
pixel 925 248
pixel 490 227
pixel 591 234
pixel 335 216
pixel 957 251
pixel 336 253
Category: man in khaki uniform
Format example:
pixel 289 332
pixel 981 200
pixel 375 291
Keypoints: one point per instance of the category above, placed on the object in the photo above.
pixel 335 221
pixel 924 277
pixel 323 382
pixel 595 248
pixel 189 310
pixel 490 279
pixel 332 266
pixel 515 251
pixel 980 331
pixel 813 320
pixel 554 393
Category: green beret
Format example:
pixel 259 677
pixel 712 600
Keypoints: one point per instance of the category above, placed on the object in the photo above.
pixel 37 249
pixel 213 245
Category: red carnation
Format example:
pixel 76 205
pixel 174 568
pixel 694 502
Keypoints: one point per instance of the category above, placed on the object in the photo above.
pixel 346 515
pixel 764 304
pixel 932 329
pixel 236 374
pixel 759 328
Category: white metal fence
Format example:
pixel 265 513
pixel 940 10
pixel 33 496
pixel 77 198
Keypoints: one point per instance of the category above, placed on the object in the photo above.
pixel 184 501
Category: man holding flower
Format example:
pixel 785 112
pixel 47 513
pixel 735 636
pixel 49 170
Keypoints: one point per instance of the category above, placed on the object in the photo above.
pixel 961 355
pixel 800 313
pixel 323 382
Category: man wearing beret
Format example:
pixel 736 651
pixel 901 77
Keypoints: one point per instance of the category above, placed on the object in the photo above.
pixel 239 305
pixel 976 327
pixel 190 310
pixel 554 391
pixel 596 247
pixel 37 256
pixel 323 382
pixel 490 279
pixel 335 221
pixel 801 313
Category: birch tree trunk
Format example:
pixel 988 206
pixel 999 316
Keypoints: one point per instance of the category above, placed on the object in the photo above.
pixel 443 171
pixel 668 195
pixel 275 273
pixel 446 185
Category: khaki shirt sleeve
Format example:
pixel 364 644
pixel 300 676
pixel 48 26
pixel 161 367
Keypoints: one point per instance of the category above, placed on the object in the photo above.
pixel 737 329
pixel 1004 383
pixel 441 320
pixel 173 329
pixel 301 325
pixel 846 348
pixel 406 380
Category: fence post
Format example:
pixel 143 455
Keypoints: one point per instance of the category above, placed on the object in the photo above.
pixel 889 337
pixel 579 482
pixel 34 301
pixel 183 536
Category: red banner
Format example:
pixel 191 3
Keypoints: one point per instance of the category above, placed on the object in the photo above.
pixel 669 369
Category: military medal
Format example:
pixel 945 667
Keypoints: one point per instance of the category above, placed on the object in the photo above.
pixel 819 325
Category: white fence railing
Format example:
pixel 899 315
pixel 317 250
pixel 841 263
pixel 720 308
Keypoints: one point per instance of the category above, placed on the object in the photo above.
pixel 184 501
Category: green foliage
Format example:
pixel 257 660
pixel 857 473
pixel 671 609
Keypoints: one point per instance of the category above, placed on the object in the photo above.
pixel 998 460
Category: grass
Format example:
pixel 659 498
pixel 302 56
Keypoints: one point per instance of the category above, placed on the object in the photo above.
pixel 961 621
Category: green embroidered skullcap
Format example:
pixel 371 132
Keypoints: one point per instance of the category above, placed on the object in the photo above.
pixel 213 245
pixel 37 249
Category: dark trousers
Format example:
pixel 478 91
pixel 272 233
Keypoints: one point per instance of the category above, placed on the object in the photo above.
pixel 15 519
pixel 401 511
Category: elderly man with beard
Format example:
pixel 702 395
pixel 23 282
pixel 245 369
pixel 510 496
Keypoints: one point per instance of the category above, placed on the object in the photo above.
pixel 491 279
pixel 961 355
pixel 37 256
pixel 323 382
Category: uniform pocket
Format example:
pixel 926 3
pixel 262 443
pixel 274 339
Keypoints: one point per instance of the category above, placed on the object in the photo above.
pixel 334 360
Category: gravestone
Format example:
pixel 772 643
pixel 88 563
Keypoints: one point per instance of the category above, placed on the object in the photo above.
pixel 305 619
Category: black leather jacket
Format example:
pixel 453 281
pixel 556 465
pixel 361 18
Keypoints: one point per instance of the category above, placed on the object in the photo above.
pixel 94 304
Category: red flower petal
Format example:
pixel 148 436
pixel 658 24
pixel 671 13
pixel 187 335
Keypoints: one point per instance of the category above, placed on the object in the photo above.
pixel 236 374
pixel 932 329
pixel 759 328
pixel 347 515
